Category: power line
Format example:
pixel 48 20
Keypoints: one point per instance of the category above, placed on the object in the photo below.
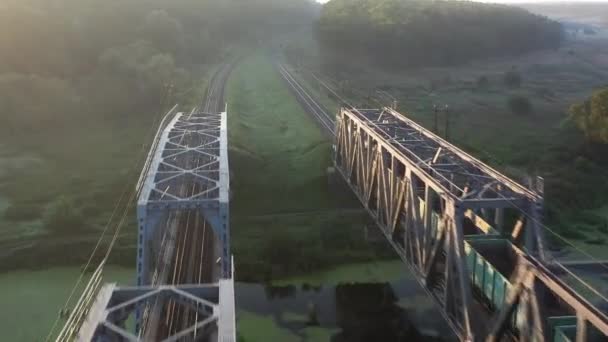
pixel 108 224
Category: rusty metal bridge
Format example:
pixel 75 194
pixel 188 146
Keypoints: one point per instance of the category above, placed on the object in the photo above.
pixel 473 238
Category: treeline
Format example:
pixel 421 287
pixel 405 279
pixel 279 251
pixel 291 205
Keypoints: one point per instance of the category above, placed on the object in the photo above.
pixel 591 116
pixel 81 84
pixel 70 59
pixel 399 33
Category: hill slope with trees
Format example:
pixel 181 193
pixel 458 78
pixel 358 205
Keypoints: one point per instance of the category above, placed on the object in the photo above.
pixel 437 32
pixel 81 85
pixel 591 116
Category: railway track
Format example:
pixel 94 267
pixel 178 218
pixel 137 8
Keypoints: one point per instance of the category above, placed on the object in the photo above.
pixel 311 106
pixel 190 250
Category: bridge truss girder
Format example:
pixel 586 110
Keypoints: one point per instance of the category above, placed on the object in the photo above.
pixel 170 167
pixel 400 173
pixel 114 306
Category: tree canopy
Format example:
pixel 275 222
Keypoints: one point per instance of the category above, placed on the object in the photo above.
pixel 66 58
pixel 416 32
pixel 591 116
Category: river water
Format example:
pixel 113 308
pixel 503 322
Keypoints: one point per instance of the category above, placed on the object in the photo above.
pixel 382 307
pixel 344 312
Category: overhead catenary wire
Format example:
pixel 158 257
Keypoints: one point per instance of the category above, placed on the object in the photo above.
pixel 180 269
pixel 317 110
pixel 571 244
pixel 124 193
pixel 332 90
pixel 88 262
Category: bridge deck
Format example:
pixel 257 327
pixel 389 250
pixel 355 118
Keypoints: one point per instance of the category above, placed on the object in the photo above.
pixel 214 304
pixel 457 172
pixel 184 270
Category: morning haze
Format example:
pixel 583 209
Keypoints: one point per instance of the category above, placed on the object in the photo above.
pixel 344 170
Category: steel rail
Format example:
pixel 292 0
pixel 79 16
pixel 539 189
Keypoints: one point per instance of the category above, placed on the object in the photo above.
pixel 308 101
pixel 195 245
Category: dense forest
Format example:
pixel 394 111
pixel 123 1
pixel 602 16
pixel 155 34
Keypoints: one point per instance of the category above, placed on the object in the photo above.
pixel 420 32
pixel 83 57
pixel 82 83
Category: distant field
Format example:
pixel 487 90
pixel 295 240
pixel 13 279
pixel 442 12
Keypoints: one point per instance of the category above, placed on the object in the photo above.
pixel 578 11
pixel 286 218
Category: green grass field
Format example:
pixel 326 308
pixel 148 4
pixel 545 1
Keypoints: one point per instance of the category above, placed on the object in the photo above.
pixel 31 300
pixel 275 148
pixel 286 217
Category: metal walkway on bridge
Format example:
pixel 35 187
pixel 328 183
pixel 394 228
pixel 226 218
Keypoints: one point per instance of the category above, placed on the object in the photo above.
pixel 185 287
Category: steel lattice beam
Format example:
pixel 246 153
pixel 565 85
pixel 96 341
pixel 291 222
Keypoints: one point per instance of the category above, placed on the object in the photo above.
pixel 189 136
pixel 107 318
pixel 421 191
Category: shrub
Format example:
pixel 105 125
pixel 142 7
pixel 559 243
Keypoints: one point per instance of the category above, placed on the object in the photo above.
pixel 603 228
pixel 589 31
pixel 483 82
pixel 573 234
pixel 63 216
pixel 520 104
pixel 591 116
pixel 596 241
pixel 545 92
pixel 22 212
pixel 513 79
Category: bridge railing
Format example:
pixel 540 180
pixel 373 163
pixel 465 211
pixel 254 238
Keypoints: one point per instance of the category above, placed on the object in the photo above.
pixel 146 168
pixel 82 307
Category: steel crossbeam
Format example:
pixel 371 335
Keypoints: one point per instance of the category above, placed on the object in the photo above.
pixel 189 136
pixel 108 318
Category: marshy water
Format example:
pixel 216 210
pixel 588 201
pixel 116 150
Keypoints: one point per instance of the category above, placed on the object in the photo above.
pixel 369 310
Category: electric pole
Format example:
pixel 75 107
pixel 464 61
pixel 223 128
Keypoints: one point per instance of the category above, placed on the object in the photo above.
pixel 447 122
pixel 435 119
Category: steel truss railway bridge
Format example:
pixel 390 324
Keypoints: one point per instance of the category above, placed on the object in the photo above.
pixel 472 237
pixel 185 288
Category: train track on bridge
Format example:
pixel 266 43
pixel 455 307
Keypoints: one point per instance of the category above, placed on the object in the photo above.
pixel 185 284
pixel 193 248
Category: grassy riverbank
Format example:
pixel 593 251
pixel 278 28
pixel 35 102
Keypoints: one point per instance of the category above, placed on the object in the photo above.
pixel 31 299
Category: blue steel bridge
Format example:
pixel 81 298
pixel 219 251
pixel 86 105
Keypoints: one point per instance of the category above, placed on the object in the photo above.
pixel 184 288
pixel 472 237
